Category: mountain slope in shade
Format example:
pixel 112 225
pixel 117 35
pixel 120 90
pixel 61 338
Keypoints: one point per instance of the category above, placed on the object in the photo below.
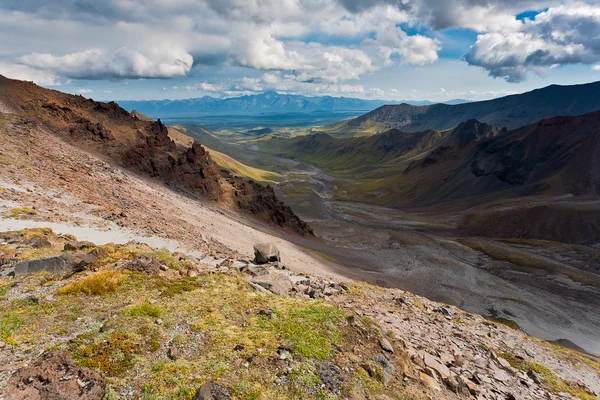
pixel 269 102
pixel 144 146
pixel 386 148
pixel 511 111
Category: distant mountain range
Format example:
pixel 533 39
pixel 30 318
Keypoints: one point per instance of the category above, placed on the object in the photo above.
pixel 269 102
pixel 511 111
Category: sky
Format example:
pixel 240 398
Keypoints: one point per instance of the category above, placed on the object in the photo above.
pixel 433 50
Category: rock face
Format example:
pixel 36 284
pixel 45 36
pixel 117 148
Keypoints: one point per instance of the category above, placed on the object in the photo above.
pixel 54 376
pixel 265 253
pixel 212 391
pixel 157 155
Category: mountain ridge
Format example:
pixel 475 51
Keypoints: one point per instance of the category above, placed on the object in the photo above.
pixel 511 111
pixel 264 103
pixel 146 147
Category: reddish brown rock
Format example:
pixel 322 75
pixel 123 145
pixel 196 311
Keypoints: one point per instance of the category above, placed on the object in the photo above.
pixel 54 376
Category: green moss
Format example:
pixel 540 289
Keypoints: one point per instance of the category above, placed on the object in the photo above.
pixel 144 310
pixel 177 286
pixel 310 331
pixel 9 323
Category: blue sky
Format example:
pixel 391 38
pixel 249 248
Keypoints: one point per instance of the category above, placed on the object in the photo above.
pixel 387 49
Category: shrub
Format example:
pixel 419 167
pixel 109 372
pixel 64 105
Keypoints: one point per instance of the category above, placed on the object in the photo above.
pixel 99 283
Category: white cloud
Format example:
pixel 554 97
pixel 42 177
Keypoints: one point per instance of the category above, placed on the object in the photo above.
pixel 85 91
pixel 566 34
pixel 596 67
pixel 270 78
pixel 415 50
pixel 122 63
pixel 376 92
pixel 26 73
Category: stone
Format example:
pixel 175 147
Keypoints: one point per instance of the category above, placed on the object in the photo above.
pixel 534 376
pixel 2 344
pixel 76 246
pixel 63 264
pixel 388 369
pixel 431 382
pixel 281 285
pixel 39 243
pixel 435 364
pixel 54 376
pixel 331 375
pixel 501 376
pixel 99 252
pixel 146 264
pixel 385 344
pixel 256 270
pixel 503 363
pixel 265 253
pixel 473 388
pixel 212 391
pixel 173 353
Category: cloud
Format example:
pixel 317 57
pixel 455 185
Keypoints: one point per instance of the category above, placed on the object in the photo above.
pixel 562 35
pixel 322 43
pixel 26 73
pixel 85 91
pixel 596 67
pixel 415 50
pixel 122 63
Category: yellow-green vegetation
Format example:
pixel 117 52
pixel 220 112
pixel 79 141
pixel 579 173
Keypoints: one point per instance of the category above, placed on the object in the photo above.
pixel 98 283
pixel 576 357
pixel 9 323
pixel 144 310
pixel 507 322
pixel 243 170
pixel 19 211
pixel 550 381
pixel 223 331
pixel 526 259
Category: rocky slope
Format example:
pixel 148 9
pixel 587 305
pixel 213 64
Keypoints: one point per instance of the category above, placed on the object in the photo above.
pixel 117 317
pixel 511 111
pixel 137 322
pixel 144 146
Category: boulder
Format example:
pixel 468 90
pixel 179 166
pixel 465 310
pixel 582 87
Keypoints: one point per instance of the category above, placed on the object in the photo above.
pixel 146 264
pixel 281 284
pixel 64 264
pixel 385 344
pixel 54 376
pixel 76 246
pixel 212 391
pixel 38 242
pixel 265 253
